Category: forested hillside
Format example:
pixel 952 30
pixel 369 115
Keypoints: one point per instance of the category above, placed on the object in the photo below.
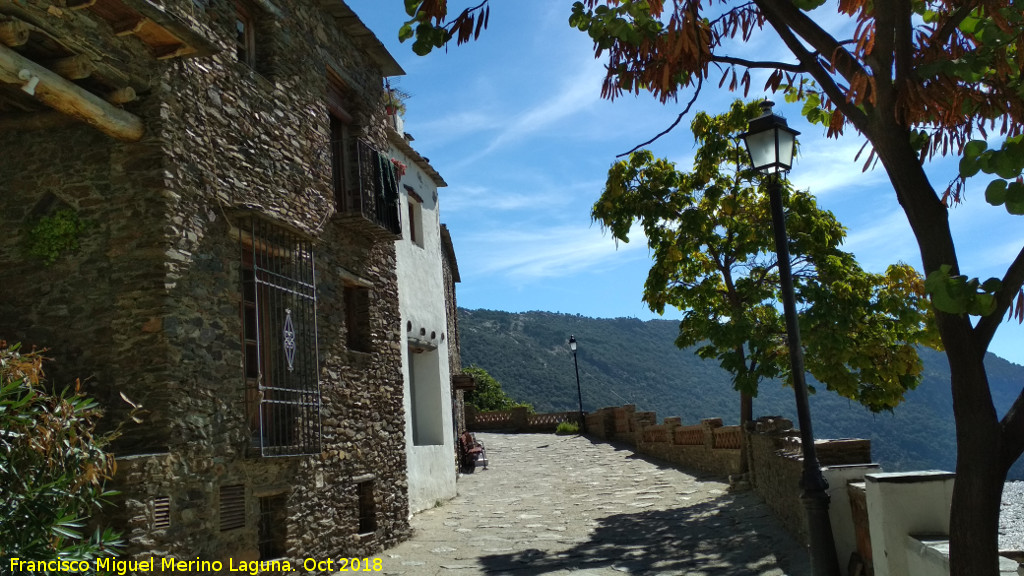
pixel 628 361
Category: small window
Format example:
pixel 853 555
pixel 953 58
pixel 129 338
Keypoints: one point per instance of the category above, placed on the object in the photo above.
pixel 367 508
pixel 415 217
pixel 232 507
pixel 245 34
pixel 273 530
pixel 357 318
pixel 162 513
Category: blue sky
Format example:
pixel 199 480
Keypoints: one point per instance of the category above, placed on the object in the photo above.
pixel 515 124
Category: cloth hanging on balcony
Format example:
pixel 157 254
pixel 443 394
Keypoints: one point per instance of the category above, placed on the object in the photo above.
pixel 387 183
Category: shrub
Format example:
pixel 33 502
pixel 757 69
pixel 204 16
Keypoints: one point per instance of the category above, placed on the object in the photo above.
pixel 488 395
pixel 50 236
pixel 52 466
pixel 567 428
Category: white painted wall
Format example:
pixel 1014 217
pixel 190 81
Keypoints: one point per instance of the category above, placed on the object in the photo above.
pixel 902 504
pixel 840 511
pixel 431 453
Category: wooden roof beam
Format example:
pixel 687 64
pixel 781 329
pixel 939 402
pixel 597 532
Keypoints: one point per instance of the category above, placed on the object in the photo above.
pixel 68 98
pixel 13 32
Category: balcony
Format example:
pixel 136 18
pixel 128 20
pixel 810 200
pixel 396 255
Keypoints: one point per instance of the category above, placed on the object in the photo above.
pixel 366 187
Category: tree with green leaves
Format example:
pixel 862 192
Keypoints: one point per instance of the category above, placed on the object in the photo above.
pixel 710 234
pixel 52 467
pixel 918 80
pixel 488 394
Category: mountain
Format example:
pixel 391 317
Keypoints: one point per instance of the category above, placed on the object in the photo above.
pixel 629 361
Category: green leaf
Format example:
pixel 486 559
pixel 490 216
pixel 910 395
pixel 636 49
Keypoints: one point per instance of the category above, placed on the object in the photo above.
pixel 969 166
pixel 974 148
pixel 405 32
pixel 995 192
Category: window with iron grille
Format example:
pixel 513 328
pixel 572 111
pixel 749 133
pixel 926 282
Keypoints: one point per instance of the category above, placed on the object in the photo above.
pixel 273 528
pixel 279 340
pixel 367 508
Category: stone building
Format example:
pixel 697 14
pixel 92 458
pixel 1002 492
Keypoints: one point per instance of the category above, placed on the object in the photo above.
pixel 199 214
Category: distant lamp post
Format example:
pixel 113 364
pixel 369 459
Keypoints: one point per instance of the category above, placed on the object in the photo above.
pixel 771 143
pixel 579 392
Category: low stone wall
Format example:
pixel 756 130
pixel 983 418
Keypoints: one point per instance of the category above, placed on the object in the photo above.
pixel 516 420
pixel 708 446
pixel 773 457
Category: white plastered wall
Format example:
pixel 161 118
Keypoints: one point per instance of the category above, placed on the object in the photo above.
pixel 430 450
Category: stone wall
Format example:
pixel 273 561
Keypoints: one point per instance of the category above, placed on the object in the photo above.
pixel 774 463
pixel 516 420
pixel 708 446
pixel 149 306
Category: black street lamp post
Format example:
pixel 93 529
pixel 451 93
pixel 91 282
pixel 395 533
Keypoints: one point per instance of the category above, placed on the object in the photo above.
pixel 771 143
pixel 579 392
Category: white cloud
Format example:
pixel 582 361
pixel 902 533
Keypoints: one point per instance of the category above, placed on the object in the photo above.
pixel 523 256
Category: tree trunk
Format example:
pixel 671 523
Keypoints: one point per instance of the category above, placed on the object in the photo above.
pixel 746 415
pixel 980 472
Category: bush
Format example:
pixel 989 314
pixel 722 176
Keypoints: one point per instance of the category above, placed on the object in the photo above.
pixel 567 428
pixel 488 395
pixel 52 466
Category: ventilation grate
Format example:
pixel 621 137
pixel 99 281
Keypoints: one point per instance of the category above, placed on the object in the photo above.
pixel 162 513
pixel 232 507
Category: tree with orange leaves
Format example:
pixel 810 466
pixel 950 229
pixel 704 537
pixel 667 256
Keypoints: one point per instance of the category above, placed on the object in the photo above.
pixel 918 79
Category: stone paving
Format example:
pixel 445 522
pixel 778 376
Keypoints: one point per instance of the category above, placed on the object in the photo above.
pixel 567 505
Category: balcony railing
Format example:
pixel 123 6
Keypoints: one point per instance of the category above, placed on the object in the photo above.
pixel 370 189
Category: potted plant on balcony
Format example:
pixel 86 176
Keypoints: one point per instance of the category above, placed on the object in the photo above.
pixel 394 101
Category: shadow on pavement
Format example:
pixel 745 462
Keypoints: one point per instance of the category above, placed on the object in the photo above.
pixel 728 535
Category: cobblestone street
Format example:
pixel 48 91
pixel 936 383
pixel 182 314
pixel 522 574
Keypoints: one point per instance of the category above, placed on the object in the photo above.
pixel 566 505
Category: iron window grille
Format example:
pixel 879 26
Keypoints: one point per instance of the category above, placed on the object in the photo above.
pixel 273 533
pixel 280 340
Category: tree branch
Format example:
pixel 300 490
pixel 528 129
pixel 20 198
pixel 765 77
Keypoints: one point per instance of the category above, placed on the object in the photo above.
pixel 942 35
pixel 796 68
pixel 1013 280
pixel 696 93
pixel 788 22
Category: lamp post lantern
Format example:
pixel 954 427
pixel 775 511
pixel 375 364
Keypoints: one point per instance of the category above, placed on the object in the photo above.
pixel 770 143
pixel 579 392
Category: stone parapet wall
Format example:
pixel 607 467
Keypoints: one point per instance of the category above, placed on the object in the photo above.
pixel 516 420
pixel 773 456
pixel 708 446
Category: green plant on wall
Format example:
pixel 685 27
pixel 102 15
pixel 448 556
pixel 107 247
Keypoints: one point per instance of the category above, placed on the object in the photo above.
pixel 51 236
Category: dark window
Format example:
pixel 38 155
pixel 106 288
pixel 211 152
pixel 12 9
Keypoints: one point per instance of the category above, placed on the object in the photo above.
pixel 245 34
pixel 357 319
pixel 367 508
pixel 273 527
pixel 232 507
pixel 279 340
pixel 415 217
pixel 342 141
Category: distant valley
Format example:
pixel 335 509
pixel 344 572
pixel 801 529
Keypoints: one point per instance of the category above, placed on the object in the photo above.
pixel 629 361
